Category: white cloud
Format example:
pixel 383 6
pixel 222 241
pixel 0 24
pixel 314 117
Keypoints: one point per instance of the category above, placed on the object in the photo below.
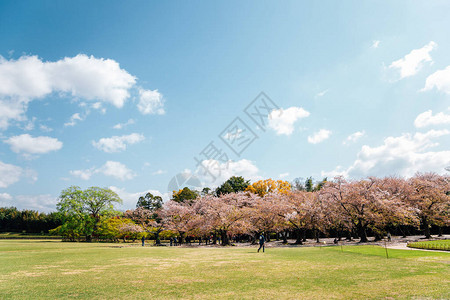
pixel 117 143
pixel 45 128
pixel 11 110
pixel 10 174
pixel 159 172
pixel 282 120
pixel 404 156
pixel 110 168
pixel 321 94
pixel 427 119
pixel 123 125
pixel 233 136
pixel 354 137
pixel 150 102
pixel 73 120
pixel 130 199
pixel 283 175
pixel 117 170
pixel 375 44
pixel 82 76
pixel 412 62
pixel 439 80
pixel 84 174
pixel 221 171
pixel 319 136
pixel 27 144
pixel 97 105
pixel 5 196
pixel 41 203
pixel 30 124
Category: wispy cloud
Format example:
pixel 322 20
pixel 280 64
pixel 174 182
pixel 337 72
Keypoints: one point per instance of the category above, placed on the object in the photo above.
pixel 319 136
pixel 123 125
pixel 354 137
pixel 411 63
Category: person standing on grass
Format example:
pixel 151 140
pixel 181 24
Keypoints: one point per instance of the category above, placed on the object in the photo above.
pixel 143 240
pixel 262 241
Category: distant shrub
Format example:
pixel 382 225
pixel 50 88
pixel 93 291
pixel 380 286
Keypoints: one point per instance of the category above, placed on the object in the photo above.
pixel 431 245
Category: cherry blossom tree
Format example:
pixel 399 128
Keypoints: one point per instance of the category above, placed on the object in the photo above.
pixel 292 208
pixel 267 215
pixel 179 217
pixel 131 230
pixel 150 220
pixel 227 214
pixel 356 200
pixel 430 196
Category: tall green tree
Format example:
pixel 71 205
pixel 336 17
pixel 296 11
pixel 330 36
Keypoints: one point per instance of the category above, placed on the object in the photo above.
pixel 82 210
pixel 234 184
pixel 321 184
pixel 147 213
pixel 309 185
pixel 185 194
pixel 150 202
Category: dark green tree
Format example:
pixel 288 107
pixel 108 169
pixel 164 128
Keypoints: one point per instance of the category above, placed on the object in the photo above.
pixel 206 191
pixel 320 184
pixel 234 184
pixel 150 202
pixel 184 194
pixel 309 185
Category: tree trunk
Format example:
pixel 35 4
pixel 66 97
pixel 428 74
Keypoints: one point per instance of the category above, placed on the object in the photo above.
pixel 316 232
pixel 378 237
pixel 299 239
pixel 426 228
pixel 224 236
pixel 181 238
pixel 157 240
pixel 284 236
pixel 349 236
pixel 254 238
pixel 362 233
pixel 402 231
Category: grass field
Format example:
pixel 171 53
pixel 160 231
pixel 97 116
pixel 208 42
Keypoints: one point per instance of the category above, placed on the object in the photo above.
pixel 33 269
pixel 431 245
pixel 19 235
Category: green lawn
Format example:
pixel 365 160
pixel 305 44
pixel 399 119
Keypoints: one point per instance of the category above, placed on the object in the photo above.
pixel 20 235
pixel 32 269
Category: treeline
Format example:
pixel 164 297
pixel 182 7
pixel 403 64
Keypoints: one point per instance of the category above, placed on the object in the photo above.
pixel 30 221
pixel 240 211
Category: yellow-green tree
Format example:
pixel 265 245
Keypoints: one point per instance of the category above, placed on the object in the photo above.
pixel 266 186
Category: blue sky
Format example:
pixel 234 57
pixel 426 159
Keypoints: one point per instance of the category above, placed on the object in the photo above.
pixel 127 94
